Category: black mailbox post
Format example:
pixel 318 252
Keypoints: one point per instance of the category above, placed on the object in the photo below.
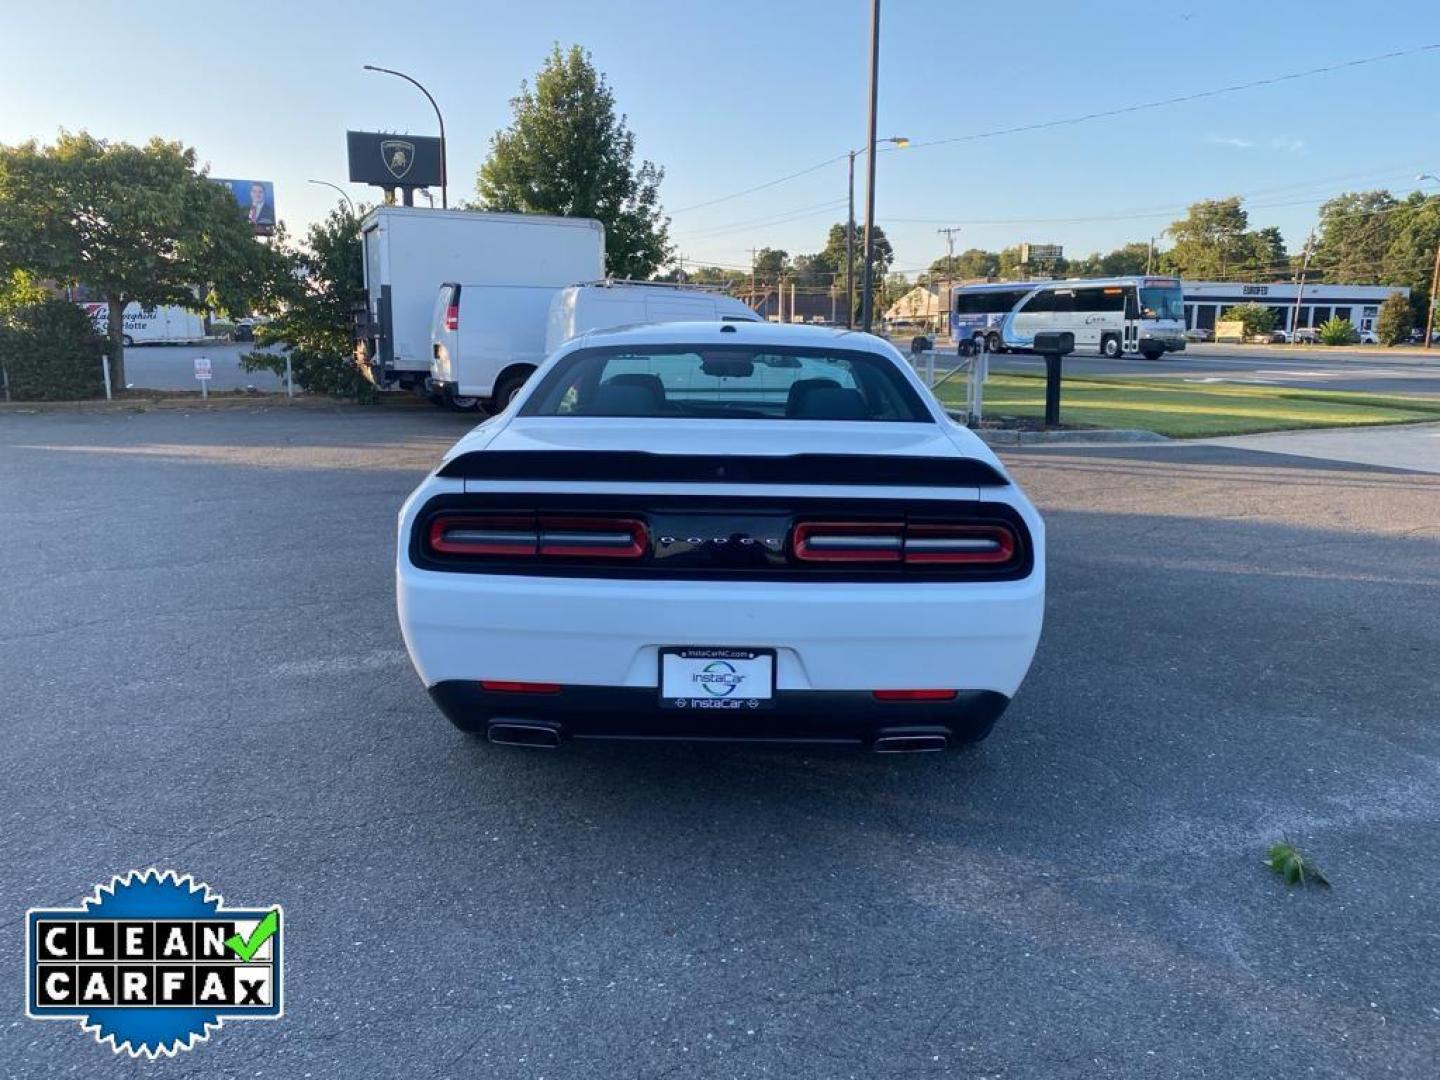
pixel 1053 345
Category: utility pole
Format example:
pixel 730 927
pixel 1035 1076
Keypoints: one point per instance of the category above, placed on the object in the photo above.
pixel 1150 257
pixel 1430 308
pixel 943 300
pixel 752 276
pixel 868 298
pixel 1300 289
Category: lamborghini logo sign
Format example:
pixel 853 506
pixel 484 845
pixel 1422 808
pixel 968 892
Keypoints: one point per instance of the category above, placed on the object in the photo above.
pixel 398 155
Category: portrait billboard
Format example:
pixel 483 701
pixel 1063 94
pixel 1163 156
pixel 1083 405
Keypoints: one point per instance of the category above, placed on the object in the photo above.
pixel 257 199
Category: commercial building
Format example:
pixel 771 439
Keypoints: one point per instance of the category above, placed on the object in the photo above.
pixel 1206 301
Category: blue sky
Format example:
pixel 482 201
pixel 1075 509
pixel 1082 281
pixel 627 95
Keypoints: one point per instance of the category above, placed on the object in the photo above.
pixel 729 95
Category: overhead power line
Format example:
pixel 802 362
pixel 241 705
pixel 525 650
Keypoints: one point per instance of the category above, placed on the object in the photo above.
pixel 1100 114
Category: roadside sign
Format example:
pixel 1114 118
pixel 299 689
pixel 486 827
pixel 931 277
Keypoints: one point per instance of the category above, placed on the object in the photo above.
pixel 202 367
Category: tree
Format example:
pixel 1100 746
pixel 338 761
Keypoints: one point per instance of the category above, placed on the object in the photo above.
pixel 1132 258
pixel 133 223
pixel 770 264
pixel 567 153
pixel 1354 233
pixel 315 323
pixel 1395 321
pixel 1210 239
pixel 968 265
pixel 1256 318
pixel 1409 259
pixel 882 257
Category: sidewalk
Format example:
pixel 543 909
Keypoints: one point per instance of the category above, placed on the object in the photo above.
pixel 1396 446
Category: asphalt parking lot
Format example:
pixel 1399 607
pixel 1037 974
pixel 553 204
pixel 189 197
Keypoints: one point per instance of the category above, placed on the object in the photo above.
pixel 202 670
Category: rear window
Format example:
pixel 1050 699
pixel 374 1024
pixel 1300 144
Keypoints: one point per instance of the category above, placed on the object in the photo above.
pixel 727 382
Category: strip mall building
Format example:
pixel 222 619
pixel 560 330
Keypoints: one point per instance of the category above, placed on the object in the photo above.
pixel 1206 301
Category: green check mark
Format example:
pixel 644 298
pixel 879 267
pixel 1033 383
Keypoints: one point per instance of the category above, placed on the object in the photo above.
pixel 261 934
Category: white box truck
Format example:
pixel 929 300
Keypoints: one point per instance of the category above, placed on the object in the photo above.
pixel 167 325
pixel 409 252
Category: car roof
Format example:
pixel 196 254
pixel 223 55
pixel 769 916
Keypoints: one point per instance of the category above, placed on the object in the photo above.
pixel 735 332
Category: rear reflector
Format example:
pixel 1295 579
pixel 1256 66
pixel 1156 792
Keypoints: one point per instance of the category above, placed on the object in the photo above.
pixel 915 695
pixel 875 542
pixel 530 535
pixel 452 317
pixel 501 686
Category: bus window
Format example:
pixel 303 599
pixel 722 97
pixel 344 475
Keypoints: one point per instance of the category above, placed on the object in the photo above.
pixel 1041 302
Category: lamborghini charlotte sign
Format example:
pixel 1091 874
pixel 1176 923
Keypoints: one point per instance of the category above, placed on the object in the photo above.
pixel 390 161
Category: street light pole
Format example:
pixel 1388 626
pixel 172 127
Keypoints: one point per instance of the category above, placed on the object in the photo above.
pixel 338 188
pixel 867 293
pixel 900 142
pixel 444 198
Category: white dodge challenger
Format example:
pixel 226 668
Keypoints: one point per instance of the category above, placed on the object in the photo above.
pixel 722 531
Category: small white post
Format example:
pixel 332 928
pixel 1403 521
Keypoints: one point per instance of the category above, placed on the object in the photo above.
pixel 930 367
pixel 289 378
pixel 105 370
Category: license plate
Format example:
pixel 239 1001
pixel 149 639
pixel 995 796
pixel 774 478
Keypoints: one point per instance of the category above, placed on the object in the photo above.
pixel 715 678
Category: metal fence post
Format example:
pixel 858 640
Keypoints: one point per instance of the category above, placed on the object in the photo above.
pixel 5 379
pixel 289 378
pixel 105 370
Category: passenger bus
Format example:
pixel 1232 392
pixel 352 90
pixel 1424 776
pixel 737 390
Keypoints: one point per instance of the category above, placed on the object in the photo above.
pixel 1113 316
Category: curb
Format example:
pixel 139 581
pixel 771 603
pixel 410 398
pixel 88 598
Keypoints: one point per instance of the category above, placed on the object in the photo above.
pixel 254 402
pixel 996 437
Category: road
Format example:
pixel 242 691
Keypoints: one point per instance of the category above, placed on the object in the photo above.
pixel 1308 368
pixel 172 367
pixel 202 670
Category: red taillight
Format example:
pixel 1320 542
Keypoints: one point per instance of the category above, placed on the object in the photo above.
pixel 531 535
pixel 977 544
pixel 843 541
pixel 456 534
pixel 452 317
pixel 991 543
pixel 607 538
pixel 915 695
pixel 501 686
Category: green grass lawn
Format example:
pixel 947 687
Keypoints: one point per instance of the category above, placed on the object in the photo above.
pixel 1189 410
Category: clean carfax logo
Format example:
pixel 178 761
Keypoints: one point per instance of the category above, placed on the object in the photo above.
pixel 153 962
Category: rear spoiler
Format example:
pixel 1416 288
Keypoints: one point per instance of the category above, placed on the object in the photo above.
pixel 640 465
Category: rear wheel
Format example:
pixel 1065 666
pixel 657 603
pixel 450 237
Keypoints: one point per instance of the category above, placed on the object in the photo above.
pixel 1110 347
pixel 992 342
pixel 508 386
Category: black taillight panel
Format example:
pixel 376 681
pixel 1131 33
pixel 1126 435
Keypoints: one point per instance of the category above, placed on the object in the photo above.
pixel 724 537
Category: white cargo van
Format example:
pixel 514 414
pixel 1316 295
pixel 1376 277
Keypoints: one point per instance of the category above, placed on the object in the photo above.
pixel 409 252
pixel 167 325
pixel 598 305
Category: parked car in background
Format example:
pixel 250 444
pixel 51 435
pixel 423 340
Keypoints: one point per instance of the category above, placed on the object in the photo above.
pixel 1368 337
pixel 1307 335
pixel 1199 333
pixel 722 531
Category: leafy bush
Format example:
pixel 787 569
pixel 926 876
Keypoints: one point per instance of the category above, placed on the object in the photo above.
pixel 1396 319
pixel 1337 331
pixel 1257 318
pixel 50 352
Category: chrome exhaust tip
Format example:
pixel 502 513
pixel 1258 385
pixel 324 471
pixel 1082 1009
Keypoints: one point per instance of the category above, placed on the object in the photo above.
pixel 911 744
pixel 532 735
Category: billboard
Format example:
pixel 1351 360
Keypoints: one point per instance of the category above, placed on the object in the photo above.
pixel 257 199
pixel 391 161
pixel 1041 253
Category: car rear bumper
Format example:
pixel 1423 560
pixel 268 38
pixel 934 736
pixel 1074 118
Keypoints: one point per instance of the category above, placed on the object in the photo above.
pixel 847 718
pixel 827 636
